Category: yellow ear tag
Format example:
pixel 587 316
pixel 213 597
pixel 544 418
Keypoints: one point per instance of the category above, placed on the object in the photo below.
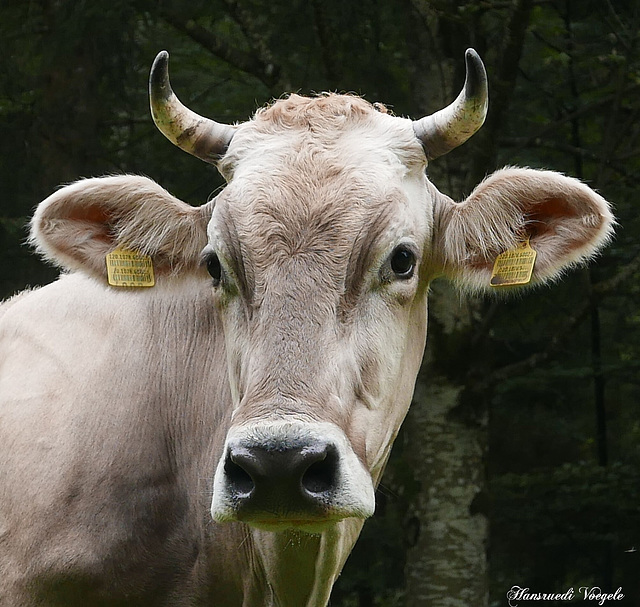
pixel 514 267
pixel 129 269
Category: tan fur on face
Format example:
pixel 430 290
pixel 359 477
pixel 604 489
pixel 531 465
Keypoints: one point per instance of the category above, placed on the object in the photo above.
pixel 297 111
pixel 308 177
pixel 326 122
pixel 316 201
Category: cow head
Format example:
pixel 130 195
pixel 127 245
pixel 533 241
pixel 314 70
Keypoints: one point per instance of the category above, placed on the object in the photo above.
pixel 319 253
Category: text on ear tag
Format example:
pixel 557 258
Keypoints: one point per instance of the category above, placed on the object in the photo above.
pixel 129 269
pixel 514 267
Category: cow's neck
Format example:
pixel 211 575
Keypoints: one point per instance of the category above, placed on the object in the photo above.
pixel 299 569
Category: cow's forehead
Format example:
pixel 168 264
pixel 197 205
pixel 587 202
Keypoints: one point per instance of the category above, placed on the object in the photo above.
pixel 305 169
pixel 320 218
pixel 341 131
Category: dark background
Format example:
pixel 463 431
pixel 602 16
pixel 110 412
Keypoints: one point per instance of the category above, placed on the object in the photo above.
pixel 553 375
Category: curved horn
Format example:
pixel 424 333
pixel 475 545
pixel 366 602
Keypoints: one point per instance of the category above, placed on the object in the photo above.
pixel 202 137
pixel 453 125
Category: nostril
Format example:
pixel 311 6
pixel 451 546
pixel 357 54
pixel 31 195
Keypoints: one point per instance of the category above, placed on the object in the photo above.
pixel 300 476
pixel 321 476
pixel 239 479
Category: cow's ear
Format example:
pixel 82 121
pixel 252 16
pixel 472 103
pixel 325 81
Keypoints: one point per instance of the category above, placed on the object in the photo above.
pixel 565 221
pixel 81 223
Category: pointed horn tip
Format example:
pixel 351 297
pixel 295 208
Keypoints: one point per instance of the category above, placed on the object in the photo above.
pixel 476 80
pixel 161 57
pixel 471 52
pixel 159 86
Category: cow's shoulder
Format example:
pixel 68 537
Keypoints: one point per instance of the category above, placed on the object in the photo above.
pixel 88 482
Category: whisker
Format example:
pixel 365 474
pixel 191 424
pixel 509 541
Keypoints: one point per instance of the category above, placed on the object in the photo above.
pixel 244 540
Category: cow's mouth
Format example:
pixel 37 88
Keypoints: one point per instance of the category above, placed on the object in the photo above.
pixel 309 526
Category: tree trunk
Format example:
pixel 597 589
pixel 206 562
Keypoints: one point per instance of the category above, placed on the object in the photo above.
pixel 447 566
pixel 447 425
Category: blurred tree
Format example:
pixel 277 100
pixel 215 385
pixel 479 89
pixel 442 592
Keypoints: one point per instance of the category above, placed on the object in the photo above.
pixel 519 400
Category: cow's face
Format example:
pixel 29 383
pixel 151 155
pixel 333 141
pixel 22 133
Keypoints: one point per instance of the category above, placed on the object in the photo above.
pixel 319 254
pixel 318 250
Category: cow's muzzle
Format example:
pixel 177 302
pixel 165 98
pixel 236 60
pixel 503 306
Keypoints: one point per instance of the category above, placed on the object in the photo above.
pixel 283 476
pixel 259 477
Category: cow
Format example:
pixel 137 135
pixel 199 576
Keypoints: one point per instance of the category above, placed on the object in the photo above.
pixel 217 438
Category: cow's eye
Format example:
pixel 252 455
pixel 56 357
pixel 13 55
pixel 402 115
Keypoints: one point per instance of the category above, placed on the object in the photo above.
pixel 214 268
pixel 403 262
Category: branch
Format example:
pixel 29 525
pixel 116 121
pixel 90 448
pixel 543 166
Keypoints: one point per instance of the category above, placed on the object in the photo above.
pixel 565 148
pixel 258 43
pixel 246 62
pixel 600 291
pixel 327 46
pixel 523 366
pixel 606 287
pixel 503 85
pixel 510 54
pixel 595 106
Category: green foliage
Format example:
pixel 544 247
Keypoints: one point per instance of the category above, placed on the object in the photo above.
pixel 574 525
pixel 564 80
